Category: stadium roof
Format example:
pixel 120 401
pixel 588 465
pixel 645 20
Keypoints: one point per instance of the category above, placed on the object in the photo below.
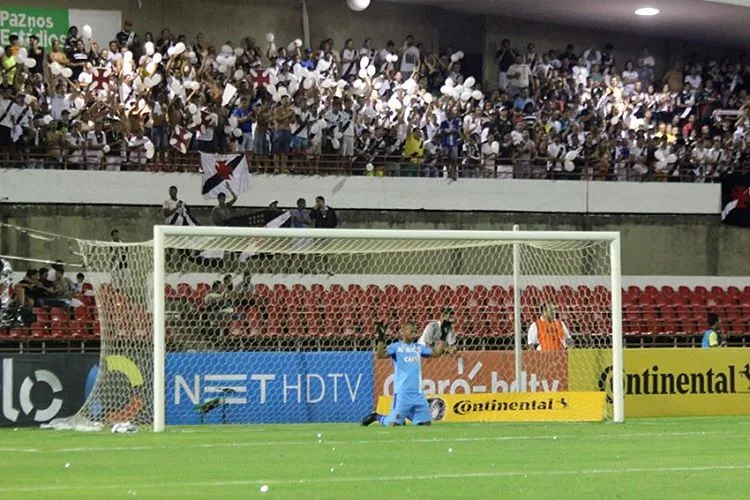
pixel 710 22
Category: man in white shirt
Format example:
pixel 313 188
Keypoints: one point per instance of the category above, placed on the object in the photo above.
pixel 440 330
pixel 348 60
pixel 519 76
pixel 409 57
pixel 175 211
pixel 95 141
pixel 347 120
pixel 205 133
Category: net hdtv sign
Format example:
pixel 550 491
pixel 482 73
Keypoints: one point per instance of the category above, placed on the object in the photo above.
pixel 268 387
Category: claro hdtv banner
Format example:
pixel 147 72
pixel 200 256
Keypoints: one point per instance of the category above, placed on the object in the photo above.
pixel 669 382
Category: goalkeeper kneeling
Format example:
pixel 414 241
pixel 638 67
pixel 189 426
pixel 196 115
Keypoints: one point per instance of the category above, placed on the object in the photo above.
pixel 409 401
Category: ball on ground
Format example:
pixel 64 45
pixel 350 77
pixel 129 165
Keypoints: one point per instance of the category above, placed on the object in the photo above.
pixel 264 488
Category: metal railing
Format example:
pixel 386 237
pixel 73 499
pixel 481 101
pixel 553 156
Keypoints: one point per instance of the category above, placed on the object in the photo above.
pixel 378 166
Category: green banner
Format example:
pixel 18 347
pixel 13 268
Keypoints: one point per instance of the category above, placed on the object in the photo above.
pixel 46 23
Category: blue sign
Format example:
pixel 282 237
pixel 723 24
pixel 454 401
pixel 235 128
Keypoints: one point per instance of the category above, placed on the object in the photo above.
pixel 268 387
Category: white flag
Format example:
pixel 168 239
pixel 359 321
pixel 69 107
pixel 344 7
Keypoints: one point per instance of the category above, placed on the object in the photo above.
pixel 220 169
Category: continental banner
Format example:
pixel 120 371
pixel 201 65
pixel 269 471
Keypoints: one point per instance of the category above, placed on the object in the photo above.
pixel 483 372
pixel 669 382
pixel 513 407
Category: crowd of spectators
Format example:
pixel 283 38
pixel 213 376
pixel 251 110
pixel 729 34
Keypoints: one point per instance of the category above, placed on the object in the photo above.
pixel 393 110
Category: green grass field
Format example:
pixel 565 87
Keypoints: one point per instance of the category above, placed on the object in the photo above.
pixel 664 458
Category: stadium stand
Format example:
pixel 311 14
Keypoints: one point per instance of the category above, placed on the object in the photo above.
pixel 141 104
pixel 280 314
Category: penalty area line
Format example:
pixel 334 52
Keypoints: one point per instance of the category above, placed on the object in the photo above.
pixel 370 479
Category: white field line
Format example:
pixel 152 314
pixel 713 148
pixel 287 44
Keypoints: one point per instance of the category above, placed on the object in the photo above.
pixel 370 479
pixel 308 442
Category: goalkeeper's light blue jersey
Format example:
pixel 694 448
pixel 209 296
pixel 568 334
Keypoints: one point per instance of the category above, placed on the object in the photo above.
pixel 407 366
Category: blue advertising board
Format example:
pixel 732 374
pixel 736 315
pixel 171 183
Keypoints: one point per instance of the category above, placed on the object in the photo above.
pixel 269 387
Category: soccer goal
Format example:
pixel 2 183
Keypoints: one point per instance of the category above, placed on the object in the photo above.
pixel 257 325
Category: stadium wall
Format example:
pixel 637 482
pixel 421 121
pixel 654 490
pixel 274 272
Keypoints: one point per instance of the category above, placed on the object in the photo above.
pixel 653 245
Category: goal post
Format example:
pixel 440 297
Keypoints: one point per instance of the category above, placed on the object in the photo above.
pixel 472 271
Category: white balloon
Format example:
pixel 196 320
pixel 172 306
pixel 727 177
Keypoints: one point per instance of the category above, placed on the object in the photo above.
pixel 23 53
pixel 307 84
pixel 231 61
pixel 106 149
pixel 291 47
pixel 223 68
pixel 192 108
pixel 29 63
pixel 445 90
pixel 469 82
pixel 466 95
pixel 237 132
pixel 226 49
pixel 88 33
pixel 297 42
pixel 427 98
pixel 454 58
pixel 239 75
pixel 151 67
pixel 67 72
pixel 149 48
pixel 358 5
pixel 170 51
pixel 154 80
pixel 449 82
pixel 220 59
pixel 270 37
pixel 460 89
pixel 362 72
pixel 55 68
pixel 370 167
pixel 179 48
pixel 364 62
pixel 239 51
pixel 150 150
pixel 477 95
pixel 371 70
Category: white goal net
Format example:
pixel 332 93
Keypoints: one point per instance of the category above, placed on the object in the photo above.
pixel 278 325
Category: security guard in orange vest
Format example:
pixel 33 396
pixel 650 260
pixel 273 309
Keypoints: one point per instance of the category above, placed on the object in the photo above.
pixel 548 333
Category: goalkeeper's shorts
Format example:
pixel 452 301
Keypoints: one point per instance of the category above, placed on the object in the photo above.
pixel 411 406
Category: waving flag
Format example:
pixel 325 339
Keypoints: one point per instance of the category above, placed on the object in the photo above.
pixel 735 200
pixel 220 169
pixel 180 139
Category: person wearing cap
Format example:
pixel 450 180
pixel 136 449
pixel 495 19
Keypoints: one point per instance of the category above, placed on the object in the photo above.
pixel 272 211
pixel 711 336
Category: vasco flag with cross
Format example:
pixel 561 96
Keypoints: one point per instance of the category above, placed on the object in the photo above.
pixel 220 169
